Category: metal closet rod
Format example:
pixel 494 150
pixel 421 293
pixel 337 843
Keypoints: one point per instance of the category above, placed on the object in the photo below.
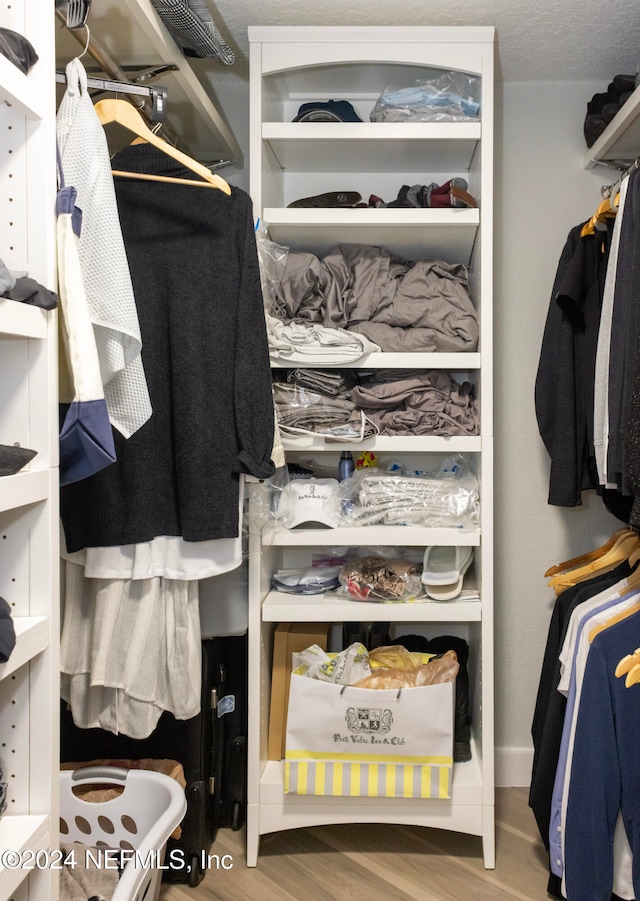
pixel 157 93
pixel 606 190
pixel 116 73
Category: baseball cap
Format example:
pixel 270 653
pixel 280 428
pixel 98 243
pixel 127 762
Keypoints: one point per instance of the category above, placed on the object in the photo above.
pixel 327 111
pixel 307 501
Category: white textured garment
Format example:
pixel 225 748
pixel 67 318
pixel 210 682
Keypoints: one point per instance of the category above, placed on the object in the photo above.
pixel 297 342
pixel 130 650
pixel 87 168
pixel 165 556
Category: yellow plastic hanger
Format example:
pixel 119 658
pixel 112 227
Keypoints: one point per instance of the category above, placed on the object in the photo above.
pixel 622 548
pixel 589 556
pixel 121 111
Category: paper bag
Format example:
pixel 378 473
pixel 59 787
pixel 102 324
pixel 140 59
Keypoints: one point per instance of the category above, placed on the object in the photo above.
pixel 363 742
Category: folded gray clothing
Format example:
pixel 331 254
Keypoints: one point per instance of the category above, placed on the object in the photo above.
pixel 299 397
pixel 401 306
pixel 424 403
pixel 321 380
pixel 298 411
pixel 393 375
pixel 413 422
pixel 293 406
pixel 322 421
pixel 29 291
pixel 7 281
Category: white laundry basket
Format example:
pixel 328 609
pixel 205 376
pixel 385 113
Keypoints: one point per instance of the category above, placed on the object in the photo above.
pixel 140 819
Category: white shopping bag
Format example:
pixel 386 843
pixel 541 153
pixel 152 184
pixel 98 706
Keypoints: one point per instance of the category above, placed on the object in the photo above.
pixel 365 742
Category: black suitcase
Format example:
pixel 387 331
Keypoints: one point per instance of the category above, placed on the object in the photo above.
pixel 208 746
pixel 233 712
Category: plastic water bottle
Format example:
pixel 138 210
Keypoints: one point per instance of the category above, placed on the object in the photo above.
pixel 345 466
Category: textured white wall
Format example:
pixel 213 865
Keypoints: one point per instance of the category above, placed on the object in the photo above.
pixel 542 191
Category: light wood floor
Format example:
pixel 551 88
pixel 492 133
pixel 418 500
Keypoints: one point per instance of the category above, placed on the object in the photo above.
pixel 382 863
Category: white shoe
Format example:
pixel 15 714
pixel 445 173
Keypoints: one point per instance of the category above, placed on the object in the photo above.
pixel 443 570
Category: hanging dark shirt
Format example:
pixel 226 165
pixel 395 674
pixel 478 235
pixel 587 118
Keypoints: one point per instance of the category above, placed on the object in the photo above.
pixel 566 370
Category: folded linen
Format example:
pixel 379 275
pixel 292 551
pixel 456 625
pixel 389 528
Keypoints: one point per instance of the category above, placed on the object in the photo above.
pixel 296 342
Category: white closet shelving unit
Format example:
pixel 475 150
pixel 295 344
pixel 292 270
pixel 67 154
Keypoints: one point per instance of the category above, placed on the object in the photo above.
pixel 29 578
pixel 291 66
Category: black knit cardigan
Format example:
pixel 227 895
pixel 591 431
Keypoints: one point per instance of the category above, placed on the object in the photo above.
pixel 194 268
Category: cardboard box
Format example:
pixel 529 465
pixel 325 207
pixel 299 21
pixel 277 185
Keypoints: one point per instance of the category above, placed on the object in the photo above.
pixel 289 638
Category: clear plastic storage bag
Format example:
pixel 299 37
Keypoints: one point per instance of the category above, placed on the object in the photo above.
pixel 451 97
pixel 381 578
pixel 448 497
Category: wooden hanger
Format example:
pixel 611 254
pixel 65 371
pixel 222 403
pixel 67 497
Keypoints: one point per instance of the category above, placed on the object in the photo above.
pixel 633 676
pixel 632 584
pixel 607 209
pixel 588 557
pixel 122 112
pixel 624 546
pixel 627 663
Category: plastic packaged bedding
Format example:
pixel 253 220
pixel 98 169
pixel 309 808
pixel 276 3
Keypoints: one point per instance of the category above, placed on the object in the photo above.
pixel 451 97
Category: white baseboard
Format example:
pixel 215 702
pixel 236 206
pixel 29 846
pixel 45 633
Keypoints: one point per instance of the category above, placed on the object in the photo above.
pixel 513 766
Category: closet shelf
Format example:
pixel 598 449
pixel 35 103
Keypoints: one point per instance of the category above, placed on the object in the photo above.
pixel 279 607
pixel 32 637
pixel 24 488
pixel 373 146
pixel 21 320
pixel 467 790
pixel 620 141
pixel 460 444
pixel 21 833
pixel 460 362
pixel 17 89
pixel 134 36
pixel 414 536
pixel 412 234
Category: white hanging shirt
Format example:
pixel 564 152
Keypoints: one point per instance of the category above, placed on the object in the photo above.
pixel 128 651
pixel 105 270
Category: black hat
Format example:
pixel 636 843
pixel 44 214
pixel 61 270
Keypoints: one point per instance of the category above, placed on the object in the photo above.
pixel 13 458
pixel 7 631
pixel 329 111
pixel 17 49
